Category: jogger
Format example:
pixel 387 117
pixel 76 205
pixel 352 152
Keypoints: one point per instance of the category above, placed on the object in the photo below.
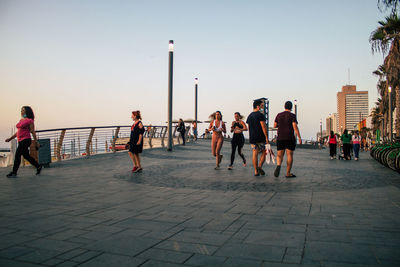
pixel 238 127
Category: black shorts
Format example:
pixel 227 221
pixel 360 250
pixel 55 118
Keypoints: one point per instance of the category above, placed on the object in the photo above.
pixel 286 144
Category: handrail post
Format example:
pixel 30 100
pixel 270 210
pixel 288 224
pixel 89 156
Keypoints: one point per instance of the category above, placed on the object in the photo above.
pixel 173 135
pixel 115 139
pixel 151 135
pixel 89 142
pixel 187 133
pixel 164 133
pixel 59 145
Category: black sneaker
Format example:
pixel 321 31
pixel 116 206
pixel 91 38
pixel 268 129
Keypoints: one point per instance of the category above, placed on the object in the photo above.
pixel 261 171
pixel 277 171
pixel 39 169
pixel 11 175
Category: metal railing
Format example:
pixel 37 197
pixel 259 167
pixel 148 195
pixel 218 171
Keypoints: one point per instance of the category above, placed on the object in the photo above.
pixel 85 141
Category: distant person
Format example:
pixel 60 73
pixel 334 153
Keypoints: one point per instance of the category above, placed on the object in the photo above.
pixel 237 128
pixel 25 127
pixel 332 145
pixel 286 122
pixel 182 130
pixel 346 143
pixel 194 128
pixel 136 141
pixel 356 140
pixel 217 126
pixel 258 134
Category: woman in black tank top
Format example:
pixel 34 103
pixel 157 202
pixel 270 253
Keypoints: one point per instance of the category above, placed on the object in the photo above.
pixel 237 128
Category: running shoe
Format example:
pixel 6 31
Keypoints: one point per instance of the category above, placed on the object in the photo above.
pixel 138 170
pixel 39 169
pixel 277 171
pixel 11 175
pixel 134 169
pixel 261 171
pixel 230 167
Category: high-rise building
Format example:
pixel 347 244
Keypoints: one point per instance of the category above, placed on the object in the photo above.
pixel 332 123
pixel 352 107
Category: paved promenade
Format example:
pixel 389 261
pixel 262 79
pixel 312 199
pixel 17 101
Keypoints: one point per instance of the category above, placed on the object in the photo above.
pixel 181 212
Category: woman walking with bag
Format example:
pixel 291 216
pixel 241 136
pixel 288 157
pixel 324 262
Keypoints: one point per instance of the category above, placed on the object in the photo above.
pixel 237 128
pixel 25 127
pixel 332 145
pixel 217 126
pixel 136 141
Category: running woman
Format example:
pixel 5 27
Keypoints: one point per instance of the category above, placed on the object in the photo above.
pixel 25 127
pixel 217 126
pixel 136 141
pixel 237 128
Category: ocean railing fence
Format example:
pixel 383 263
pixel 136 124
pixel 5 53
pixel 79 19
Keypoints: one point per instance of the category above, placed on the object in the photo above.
pixel 76 142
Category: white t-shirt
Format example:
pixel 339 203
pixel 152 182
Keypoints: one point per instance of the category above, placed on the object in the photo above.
pixel 356 139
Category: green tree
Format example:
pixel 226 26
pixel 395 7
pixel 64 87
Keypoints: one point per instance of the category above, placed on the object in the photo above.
pixel 386 39
pixel 383 5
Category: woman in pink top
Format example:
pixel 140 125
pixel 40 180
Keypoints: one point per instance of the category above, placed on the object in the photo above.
pixel 356 140
pixel 25 127
pixel 332 145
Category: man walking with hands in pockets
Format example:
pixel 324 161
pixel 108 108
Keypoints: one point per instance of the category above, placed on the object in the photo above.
pixel 286 122
pixel 258 136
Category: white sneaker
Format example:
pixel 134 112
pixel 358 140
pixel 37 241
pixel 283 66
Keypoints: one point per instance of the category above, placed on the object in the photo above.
pixel 331 157
pixel 356 159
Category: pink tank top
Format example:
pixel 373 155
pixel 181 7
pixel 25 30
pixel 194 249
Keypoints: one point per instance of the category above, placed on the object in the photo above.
pixel 23 130
pixel 332 140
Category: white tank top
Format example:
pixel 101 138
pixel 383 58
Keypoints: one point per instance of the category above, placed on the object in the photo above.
pixel 218 129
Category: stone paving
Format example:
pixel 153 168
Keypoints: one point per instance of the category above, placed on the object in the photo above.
pixel 181 212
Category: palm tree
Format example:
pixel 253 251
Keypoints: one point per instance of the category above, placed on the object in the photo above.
pixel 376 116
pixel 385 4
pixel 381 110
pixel 386 39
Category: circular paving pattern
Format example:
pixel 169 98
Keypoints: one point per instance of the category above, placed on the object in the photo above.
pixel 192 167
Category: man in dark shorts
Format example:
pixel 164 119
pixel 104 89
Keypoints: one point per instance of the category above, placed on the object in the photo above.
pixel 286 122
pixel 258 136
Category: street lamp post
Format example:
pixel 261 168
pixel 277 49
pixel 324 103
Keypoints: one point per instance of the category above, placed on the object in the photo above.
pixel 170 82
pixel 390 114
pixel 196 82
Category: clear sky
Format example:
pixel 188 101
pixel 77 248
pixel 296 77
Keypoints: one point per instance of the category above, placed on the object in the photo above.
pixel 90 63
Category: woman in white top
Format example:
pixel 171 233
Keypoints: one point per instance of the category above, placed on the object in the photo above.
pixel 356 140
pixel 217 126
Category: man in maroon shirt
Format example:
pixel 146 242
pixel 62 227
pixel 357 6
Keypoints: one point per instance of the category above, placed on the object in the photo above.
pixel 286 122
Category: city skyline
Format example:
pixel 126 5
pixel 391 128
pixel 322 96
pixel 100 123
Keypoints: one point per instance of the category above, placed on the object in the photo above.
pixel 91 63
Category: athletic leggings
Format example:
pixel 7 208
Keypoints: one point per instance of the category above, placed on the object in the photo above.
pixel 238 142
pixel 332 150
pixel 23 150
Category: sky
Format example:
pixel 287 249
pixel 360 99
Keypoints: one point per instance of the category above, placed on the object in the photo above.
pixel 90 63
